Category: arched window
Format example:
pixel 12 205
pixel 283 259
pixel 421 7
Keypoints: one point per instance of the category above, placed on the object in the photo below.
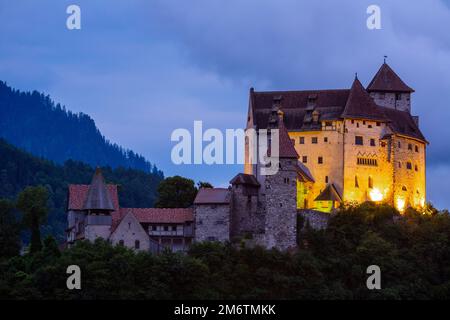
pixel 137 244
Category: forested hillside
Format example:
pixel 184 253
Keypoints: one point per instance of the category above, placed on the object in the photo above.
pixel 19 169
pixel 32 121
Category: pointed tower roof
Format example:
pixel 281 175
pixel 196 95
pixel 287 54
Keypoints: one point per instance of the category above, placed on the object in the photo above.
pixel 98 197
pixel 388 81
pixel 286 145
pixel 360 105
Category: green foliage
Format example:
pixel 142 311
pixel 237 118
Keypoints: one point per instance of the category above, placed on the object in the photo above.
pixel 32 202
pixel 19 169
pixel 204 184
pixel 9 230
pixel 412 250
pixel 176 192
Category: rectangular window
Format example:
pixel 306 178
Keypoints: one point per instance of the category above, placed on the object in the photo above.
pixel 399 145
pixel 378 124
pixel 304 159
pixel 409 146
pixel 325 139
pixel 364 122
pixel 166 228
pixel 286 180
pixel 359 140
pixel 416 148
pixel 399 164
pixel 416 168
pixel 302 140
pixel 356 182
pixel 370 183
pixel 314 140
pixel 367 162
pixel 326 179
pixel 372 142
pixel 369 126
pixel 408 165
pixel 320 160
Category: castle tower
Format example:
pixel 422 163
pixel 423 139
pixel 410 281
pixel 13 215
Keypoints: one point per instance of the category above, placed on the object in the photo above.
pixel 281 194
pixel 388 90
pixel 98 207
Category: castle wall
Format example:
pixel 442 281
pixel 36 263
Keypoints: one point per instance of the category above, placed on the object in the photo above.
pixel 212 222
pixel 247 212
pixel 409 180
pixel 281 211
pixel 370 177
pixel 390 100
pixel 329 147
pixel 129 231
pixel 92 232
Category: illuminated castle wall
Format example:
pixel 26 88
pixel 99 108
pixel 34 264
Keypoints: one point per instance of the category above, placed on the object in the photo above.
pixel 358 144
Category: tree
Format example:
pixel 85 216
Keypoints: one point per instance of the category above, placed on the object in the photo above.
pixel 176 192
pixel 204 184
pixel 33 203
pixel 9 230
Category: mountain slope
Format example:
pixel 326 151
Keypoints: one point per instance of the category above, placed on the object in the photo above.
pixel 32 121
pixel 19 169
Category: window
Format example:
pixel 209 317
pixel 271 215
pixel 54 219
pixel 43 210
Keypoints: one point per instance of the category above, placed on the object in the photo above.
pixel 320 160
pixel 409 146
pixel 378 124
pixel 304 159
pixel 404 188
pixel 211 238
pixel 408 165
pixel 174 228
pixel 137 244
pixel 121 243
pixel 416 148
pixel 326 179
pixel 314 140
pixel 154 228
pixel 399 164
pixel 359 140
pixel 367 162
pixel 416 168
pixel 166 228
pixel 325 139
pixel 364 122
pixel 398 96
pixel 353 121
pixel 399 145
pixel 286 180
pixel 356 182
pixel 302 140
pixel 369 126
pixel 281 205
pixel 357 124
pixel 372 142
pixel 370 183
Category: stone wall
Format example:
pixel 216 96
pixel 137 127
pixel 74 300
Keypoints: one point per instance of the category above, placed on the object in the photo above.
pixel 389 100
pixel 316 219
pixel 409 181
pixel 129 231
pixel 281 207
pixel 212 222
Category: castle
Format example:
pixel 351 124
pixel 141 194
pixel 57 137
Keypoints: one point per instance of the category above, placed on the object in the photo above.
pixel 335 146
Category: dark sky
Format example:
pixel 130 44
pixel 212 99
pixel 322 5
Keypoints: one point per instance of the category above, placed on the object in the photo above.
pixel 144 68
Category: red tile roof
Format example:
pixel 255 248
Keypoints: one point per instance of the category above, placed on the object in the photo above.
pixel 160 215
pixel 212 196
pixel 387 80
pixel 78 194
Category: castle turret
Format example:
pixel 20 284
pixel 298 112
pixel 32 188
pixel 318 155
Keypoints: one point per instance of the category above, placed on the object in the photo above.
pixel 388 90
pixel 98 206
pixel 281 195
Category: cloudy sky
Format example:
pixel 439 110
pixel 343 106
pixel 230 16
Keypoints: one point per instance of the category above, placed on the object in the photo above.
pixel 144 68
